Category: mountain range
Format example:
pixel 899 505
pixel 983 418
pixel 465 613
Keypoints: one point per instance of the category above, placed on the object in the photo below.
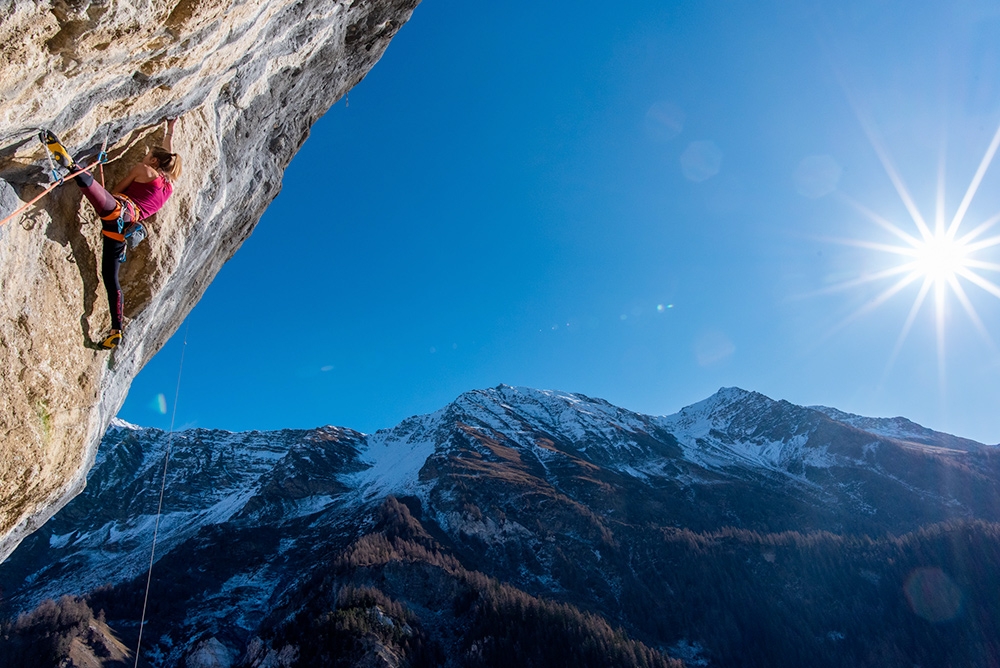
pixel 528 527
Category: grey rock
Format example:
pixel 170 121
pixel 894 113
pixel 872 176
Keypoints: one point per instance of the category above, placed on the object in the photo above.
pixel 248 79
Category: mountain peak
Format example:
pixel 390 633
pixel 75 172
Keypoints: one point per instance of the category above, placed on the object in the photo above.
pixel 118 423
pixel 901 429
pixel 722 405
pixel 734 393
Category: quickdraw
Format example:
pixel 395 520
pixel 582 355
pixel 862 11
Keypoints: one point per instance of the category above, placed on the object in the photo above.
pixel 52 186
pixel 58 179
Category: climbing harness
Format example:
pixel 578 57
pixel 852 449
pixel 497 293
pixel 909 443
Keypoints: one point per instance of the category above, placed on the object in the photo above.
pixel 134 232
pixel 57 179
pixel 159 507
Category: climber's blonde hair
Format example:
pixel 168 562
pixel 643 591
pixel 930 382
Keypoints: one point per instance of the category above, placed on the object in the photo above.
pixel 168 163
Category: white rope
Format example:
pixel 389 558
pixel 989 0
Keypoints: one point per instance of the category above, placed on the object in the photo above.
pixel 53 172
pixel 159 507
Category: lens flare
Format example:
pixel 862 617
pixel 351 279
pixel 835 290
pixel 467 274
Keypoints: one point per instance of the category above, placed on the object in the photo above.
pixel 701 161
pixel 933 595
pixel 940 260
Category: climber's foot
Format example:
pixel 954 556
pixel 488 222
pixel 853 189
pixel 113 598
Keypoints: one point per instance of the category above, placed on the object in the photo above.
pixel 58 151
pixel 114 338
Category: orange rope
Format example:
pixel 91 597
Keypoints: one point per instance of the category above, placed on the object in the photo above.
pixel 47 190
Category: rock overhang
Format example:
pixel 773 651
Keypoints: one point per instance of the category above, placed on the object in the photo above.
pixel 249 79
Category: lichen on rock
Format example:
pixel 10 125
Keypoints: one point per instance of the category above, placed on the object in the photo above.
pixel 250 78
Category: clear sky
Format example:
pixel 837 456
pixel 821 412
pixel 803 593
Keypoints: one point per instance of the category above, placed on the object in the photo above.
pixel 639 201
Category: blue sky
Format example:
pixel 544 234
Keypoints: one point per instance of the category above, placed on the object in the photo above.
pixel 642 202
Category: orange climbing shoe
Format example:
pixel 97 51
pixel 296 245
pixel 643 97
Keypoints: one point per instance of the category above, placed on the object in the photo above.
pixel 114 338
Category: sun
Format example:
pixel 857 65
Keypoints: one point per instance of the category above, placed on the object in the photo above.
pixel 944 262
pixel 941 258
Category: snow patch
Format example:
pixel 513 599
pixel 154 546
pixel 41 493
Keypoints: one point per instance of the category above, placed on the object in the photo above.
pixel 395 457
pixel 118 423
pixel 310 506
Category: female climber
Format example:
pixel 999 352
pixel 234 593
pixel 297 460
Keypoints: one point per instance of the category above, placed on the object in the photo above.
pixel 139 195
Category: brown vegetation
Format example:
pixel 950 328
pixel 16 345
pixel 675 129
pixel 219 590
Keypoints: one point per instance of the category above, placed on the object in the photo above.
pixel 61 633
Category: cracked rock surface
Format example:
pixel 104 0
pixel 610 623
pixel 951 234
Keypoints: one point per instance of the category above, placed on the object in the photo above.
pixel 249 79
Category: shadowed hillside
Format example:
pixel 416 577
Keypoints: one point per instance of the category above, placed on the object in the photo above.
pixel 539 528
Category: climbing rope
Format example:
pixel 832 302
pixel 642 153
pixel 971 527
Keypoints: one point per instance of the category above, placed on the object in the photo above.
pixel 52 167
pixel 159 507
pixel 58 180
pixel 49 189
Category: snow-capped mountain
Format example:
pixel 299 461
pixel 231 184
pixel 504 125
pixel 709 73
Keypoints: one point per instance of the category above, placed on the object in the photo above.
pixel 901 429
pixel 555 494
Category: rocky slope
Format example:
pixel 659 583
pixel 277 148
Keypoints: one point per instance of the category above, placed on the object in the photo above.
pixel 689 531
pixel 250 78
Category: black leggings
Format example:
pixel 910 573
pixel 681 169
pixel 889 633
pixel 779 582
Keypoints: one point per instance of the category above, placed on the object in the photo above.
pixel 109 272
pixel 105 204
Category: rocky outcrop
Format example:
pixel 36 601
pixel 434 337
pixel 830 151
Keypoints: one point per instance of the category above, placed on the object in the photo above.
pixel 249 78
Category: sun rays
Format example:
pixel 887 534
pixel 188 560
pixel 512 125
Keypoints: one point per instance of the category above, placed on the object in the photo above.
pixel 940 260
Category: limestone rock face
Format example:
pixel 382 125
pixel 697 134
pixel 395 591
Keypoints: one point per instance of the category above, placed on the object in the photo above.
pixel 249 79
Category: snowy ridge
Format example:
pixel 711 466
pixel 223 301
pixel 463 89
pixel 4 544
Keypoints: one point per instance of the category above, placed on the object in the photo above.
pixel 218 477
pixel 900 428
pixel 395 457
pixel 734 426
pixel 571 416
pixel 211 477
pixel 579 426
pixel 118 423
